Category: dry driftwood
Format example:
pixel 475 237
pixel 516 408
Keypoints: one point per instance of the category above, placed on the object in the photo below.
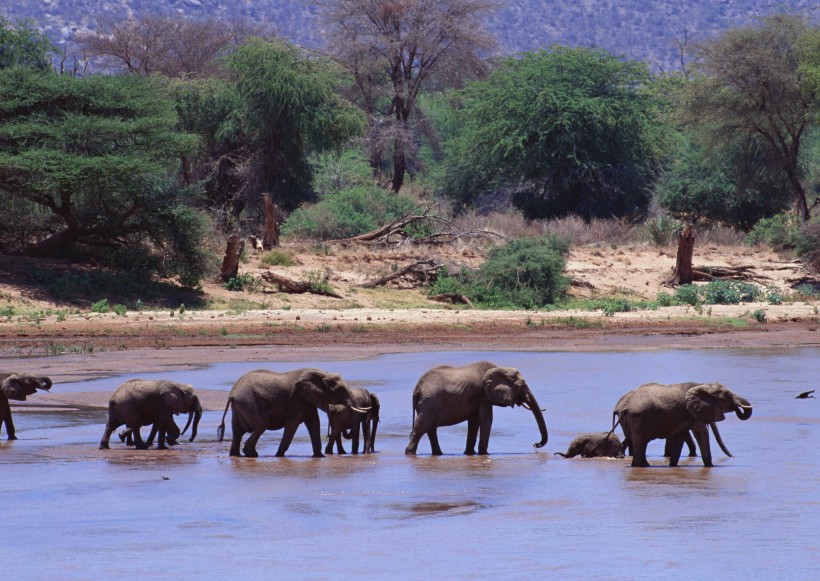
pixel 230 262
pixel 296 287
pixel 710 273
pixel 420 272
pixel 396 232
pixel 451 298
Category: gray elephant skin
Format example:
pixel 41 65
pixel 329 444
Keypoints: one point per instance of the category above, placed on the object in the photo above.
pixel 173 432
pixel 343 421
pixel 446 395
pixel 267 400
pixel 18 386
pixel 142 402
pixel 670 411
pixel 601 444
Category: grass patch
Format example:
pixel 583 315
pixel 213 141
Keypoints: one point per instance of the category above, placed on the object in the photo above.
pixel 277 257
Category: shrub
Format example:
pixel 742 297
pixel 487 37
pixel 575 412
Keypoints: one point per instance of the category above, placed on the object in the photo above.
pixel 348 213
pixel 687 294
pixel 242 282
pixel 524 273
pixel 729 292
pixel 666 300
pixel 779 232
pixel 120 310
pixel 661 229
pixel 279 258
pixel 101 306
pixel 808 244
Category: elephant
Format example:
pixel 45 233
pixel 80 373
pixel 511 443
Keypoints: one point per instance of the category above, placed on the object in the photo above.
pixel 344 421
pixel 267 400
pixel 446 395
pixel 17 386
pixel 600 444
pixel 172 433
pixel 140 402
pixel 655 410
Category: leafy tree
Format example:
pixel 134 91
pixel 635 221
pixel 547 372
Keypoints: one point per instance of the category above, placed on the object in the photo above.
pixel 565 131
pixel 752 81
pixel 88 163
pixel 22 45
pixel 396 50
pixel 734 183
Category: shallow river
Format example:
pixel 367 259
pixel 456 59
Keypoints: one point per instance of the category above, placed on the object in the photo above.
pixel 70 511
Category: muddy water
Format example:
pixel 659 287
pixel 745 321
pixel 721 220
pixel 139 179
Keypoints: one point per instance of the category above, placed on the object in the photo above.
pixel 71 511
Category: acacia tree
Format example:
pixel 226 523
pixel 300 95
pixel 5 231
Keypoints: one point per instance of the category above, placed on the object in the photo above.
pixel 22 45
pixel 751 81
pixel 397 48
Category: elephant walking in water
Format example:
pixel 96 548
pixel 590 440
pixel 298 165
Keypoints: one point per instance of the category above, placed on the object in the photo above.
pixel 445 396
pixel 266 400
pixel 141 402
pixel 655 410
pixel 342 420
pixel 172 431
pixel 601 444
pixel 17 386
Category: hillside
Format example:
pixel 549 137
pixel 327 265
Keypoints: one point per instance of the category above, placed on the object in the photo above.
pixel 639 29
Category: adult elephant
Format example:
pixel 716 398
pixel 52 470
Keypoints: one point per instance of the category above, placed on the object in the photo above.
pixel 344 421
pixel 670 411
pixel 173 432
pixel 18 386
pixel 267 400
pixel 141 402
pixel 445 396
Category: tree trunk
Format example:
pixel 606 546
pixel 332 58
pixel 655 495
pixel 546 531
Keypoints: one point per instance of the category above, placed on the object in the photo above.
pixel 271 237
pixel 399 165
pixel 683 265
pixel 230 262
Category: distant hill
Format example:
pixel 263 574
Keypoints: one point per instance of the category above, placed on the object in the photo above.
pixel 638 29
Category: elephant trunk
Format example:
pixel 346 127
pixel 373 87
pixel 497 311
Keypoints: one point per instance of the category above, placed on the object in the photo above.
pixel 532 405
pixel 197 417
pixel 719 440
pixel 45 383
pixel 743 410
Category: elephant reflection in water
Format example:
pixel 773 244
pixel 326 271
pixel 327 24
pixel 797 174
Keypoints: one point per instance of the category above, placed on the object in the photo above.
pixel 670 411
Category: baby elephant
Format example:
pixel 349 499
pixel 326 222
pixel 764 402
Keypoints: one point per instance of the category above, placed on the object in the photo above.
pixel 343 421
pixel 600 444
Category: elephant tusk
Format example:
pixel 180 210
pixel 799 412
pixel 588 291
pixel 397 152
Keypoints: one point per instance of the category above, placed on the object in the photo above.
pixel 360 410
pixel 526 406
pixel 746 407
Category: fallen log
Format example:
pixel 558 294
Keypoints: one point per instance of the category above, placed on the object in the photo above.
pixel 423 270
pixel 710 273
pixel 451 298
pixel 297 287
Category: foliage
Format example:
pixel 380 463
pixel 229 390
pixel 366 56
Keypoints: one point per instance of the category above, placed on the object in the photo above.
pixel 808 244
pixel 661 229
pixel 350 212
pixel 729 292
pixel 752 81
pixel 565 131
pixel 23 45
pixel 687 294
pixel 336 171
pixel 242 282
pixel 87 163
pixel 736 183
pixel 759 315
pixel 120 310
pixel 277 257
pixel 101 306
pixel 778 232
pixel 524 273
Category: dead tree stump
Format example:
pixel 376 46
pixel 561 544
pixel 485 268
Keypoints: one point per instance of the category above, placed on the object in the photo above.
pixel 271 237
pixel 230 262
pixel 683 265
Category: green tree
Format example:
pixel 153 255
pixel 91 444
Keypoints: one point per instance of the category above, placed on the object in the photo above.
pixel 734 183
pixel 22 45
pixel 88 164
pixel 753 80
pixel 565 131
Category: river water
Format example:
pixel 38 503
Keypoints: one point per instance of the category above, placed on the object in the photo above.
pixel 70 511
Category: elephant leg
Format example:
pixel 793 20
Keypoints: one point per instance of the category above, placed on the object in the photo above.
pixel 249 449
pixel 638 446
pixel 355 437
pixel 110 426
pixel 10 432
pixel 314 428
pixel 366 435
pixel 415 435
pixel 433 437
pixel 152 434
pixel 485 424
pixel 161 441
pixel 472 435
pixel 702 436
pixel 690 443
pixel 236 438
pixel 139 444
pixel 675 444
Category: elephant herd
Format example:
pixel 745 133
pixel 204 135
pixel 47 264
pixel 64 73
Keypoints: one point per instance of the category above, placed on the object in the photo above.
pixel 444 396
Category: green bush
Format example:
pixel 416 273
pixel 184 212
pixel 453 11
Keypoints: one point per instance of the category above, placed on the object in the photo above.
pixel 242 282
pixel 524 273
pixel 101 306
pixel 687 294
pixel 348 213
pixel 666 300
pixel 279 258
pixel 120 310
pixel 779 232
pixel 729 292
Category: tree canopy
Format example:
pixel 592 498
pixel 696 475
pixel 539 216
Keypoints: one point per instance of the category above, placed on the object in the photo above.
pixel 22 45
pixel 565 131
pixel 90 162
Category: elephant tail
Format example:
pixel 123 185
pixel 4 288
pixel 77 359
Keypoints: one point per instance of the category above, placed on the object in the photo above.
pixel 220 431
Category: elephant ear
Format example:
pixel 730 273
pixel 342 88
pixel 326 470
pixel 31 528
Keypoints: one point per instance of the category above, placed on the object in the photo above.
pixel 13 388
pixel 498 386
pixel 172 396
pixel 313 387
pixel 702 402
